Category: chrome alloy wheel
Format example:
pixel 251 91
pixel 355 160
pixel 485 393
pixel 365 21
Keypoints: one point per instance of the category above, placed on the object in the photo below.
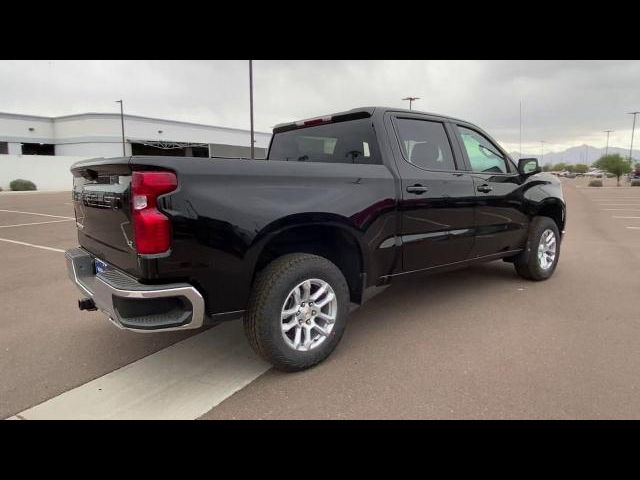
pixel 547 249
pixel 308 314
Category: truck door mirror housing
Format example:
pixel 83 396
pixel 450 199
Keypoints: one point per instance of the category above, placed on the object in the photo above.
pixel 528 166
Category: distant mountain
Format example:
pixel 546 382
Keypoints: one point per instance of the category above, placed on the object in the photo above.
pixel 582 154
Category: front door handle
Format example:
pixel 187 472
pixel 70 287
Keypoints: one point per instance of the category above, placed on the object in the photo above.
pixel 417 189
pixel 484 188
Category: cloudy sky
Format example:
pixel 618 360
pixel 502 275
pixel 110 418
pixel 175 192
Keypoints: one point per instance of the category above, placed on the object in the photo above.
pixel 564 103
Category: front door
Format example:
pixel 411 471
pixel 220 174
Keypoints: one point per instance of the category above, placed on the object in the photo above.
pixel 437 217
pixel 501 223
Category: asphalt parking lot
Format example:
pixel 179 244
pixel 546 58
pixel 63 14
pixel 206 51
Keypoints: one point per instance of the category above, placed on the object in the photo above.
pixel 476 343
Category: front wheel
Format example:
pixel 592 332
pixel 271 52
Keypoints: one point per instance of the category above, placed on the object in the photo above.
pixel 297 311
pixel 539 259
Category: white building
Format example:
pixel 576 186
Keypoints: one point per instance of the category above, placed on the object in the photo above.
pixel 100 135
pixel 41 149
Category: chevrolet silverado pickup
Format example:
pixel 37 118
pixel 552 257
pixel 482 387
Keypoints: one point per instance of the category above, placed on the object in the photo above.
pixel 342 203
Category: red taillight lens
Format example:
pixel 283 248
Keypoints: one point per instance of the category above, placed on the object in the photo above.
pixel 151 229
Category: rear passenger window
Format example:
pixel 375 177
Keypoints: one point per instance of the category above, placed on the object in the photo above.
pixel 425 144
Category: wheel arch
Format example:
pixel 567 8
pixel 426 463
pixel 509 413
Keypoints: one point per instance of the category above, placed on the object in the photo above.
pixel 555 209
pixel 328 235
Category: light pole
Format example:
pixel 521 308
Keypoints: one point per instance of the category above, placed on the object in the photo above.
pixel 251 105
pixel 542 142
pixel 411 99
pixel 632 130
pixel 606 151
pixel 520 129
pixel 124 151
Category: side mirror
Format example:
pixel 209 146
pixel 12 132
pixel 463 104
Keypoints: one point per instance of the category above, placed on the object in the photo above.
pixel 528 166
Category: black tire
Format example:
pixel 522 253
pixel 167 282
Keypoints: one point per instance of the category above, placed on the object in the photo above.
pixel 262 322
pixel 527 263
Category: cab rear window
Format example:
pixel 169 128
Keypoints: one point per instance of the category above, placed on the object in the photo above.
pixel 343 142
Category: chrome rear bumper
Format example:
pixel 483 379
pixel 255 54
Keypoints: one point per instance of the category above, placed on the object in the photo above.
pixel 132 305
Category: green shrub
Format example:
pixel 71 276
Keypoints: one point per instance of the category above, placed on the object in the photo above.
pixel 635 183
pixel 20 185
pixel 595 183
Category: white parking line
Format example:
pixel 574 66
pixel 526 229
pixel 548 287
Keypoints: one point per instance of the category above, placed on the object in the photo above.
pixel 633 228
pixel 620 210
pixel 35 192
pixel 31 245
pixel 620 205
pixel 35 223
pixel 615 216
pixel 41 214
pixel 183 381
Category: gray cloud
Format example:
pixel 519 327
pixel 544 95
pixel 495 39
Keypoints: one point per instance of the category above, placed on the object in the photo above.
pixel 565 103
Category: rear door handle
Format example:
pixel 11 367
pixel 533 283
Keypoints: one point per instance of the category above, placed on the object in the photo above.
pixel 484 188
pixel 417 189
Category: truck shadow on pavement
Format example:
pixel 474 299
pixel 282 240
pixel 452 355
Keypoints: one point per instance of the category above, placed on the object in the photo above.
pixel 412 342
pixel 424 297
pixel 421 300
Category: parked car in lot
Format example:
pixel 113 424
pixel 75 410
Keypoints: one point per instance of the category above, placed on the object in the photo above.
pixel 594 174
pixel 343 202
pixel 567 174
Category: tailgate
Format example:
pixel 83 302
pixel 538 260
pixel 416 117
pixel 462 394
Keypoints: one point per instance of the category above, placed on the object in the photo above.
pixel 102 203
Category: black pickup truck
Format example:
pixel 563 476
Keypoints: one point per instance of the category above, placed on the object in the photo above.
pixel 342 203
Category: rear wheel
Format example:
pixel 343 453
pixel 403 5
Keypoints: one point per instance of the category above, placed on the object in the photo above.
pixel 539 259
pixel 297 312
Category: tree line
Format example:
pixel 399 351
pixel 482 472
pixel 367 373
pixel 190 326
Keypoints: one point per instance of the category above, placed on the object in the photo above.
pixel 614 164
pixel 565 167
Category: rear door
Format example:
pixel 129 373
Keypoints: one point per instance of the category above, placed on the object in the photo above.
pixel 437 217
pixel 501 223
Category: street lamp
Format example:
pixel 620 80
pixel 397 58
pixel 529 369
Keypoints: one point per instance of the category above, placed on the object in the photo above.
pixel 251 106
pixel 542 142
pixel 606 151
pixel 411 99
pixel 520 153
pixel 632 130
pixel 124 151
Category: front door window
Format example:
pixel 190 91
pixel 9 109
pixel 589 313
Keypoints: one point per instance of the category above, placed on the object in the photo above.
pixel 483 155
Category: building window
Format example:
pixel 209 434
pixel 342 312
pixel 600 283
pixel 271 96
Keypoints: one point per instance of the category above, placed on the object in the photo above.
pixel 4 148
pixel 169 150
pixel 38 149
pixel 200 151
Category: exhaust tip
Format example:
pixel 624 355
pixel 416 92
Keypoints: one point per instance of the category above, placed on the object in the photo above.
pixel 87 304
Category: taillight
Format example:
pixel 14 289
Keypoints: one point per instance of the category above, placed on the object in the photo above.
pixel 151 228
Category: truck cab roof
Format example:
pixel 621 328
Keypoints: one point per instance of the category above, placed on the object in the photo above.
pixel 354 113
